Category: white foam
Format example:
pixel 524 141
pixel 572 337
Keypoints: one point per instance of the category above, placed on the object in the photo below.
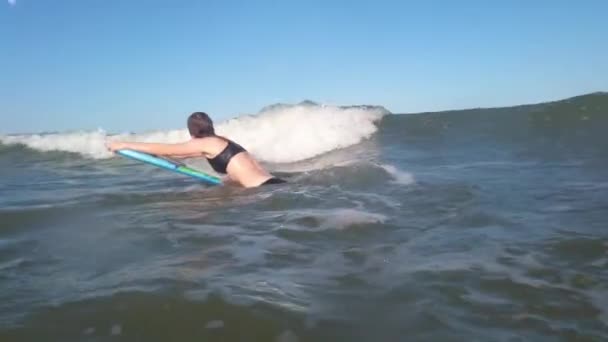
pixel 279 134
pixel 292 133
pixel 399 177
pixel 344 218
pixel 87 143
pixel 338 218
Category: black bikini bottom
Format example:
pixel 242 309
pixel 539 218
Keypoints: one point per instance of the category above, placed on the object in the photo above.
pixel 273 180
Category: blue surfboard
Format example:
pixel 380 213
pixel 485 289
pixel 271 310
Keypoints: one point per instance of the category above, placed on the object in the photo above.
pixel 171 165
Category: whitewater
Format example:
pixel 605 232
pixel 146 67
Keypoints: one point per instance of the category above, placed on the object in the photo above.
pixel 277 134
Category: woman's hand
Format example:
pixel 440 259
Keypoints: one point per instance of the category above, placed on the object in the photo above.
pixel 113 146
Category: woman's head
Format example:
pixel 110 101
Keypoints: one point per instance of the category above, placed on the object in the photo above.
pixel 200 125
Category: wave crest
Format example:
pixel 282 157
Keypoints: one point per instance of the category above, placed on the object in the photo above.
pixel 279 133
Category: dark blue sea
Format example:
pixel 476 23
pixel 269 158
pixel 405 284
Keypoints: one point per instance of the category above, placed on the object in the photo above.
pixel 469 225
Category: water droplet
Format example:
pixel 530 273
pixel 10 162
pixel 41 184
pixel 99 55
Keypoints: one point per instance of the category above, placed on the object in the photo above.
pixel 214 324
pixel 116 330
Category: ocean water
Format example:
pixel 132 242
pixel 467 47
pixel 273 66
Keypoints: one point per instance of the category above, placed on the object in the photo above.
pixel 474 225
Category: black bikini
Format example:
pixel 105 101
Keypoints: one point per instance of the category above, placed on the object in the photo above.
pixel 274 180
pixel 220 162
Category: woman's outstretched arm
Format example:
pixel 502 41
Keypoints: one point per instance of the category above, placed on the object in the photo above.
pixel 180 149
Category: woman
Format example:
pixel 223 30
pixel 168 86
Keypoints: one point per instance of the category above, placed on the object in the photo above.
pixel 224 155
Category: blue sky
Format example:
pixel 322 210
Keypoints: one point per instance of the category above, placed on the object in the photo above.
pixel 138 65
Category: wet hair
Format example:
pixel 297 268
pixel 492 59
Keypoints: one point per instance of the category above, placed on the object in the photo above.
pixel 200 125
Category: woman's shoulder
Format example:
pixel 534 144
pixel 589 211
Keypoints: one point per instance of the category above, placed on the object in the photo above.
pixel 211 140
pixel 210 144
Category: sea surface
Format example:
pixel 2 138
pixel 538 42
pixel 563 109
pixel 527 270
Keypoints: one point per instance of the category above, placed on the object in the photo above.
pixel 471 225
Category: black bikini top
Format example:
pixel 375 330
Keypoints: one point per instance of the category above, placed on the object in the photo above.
pixel 220 162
